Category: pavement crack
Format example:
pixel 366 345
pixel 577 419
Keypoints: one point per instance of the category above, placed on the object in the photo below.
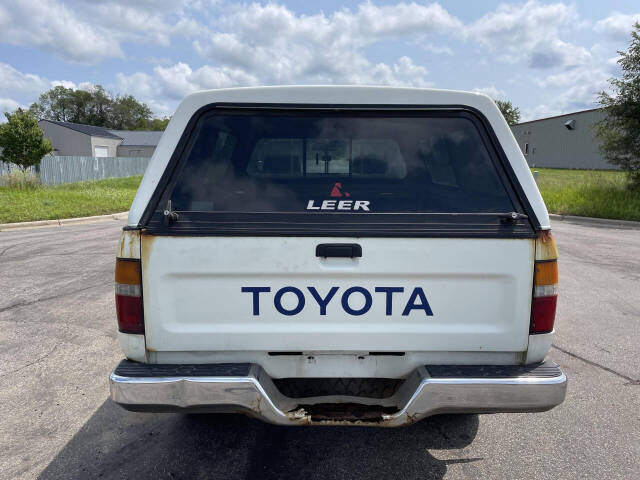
pixel 6 248
pixel 53 297
pixel 74 254
pixel 631 381
pixel 38 360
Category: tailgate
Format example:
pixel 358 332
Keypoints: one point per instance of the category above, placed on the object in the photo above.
pixel 410 294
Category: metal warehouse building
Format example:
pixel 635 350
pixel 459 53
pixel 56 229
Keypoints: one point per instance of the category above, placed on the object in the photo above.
pixel 565 141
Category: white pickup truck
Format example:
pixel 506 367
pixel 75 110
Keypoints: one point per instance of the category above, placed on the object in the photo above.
pixel 337 255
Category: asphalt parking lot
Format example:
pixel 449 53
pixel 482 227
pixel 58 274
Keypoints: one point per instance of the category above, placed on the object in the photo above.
pixel 58 345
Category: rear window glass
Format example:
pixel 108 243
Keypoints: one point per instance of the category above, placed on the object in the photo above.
pixel 342 162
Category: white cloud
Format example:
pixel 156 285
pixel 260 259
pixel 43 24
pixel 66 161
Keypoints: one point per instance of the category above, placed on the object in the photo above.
pixel 568 91
pixel 519 25
pixel 178 80
pixel 491 91
pixel 12 80
pixel 138 84
pixel 93 30
pixel 618 26
pixel 269 44
pixel 439 49
pixel 15 84
pixel 168 84
pixel 408 73
pixel 51 26
pixel 530 32
pixel 7 105
pixel 278 46
pixel 401 73
pixel 63 83
pixel 555 52
pixel 140 25
pixel 574 77
pixel 144 22
pixel 402 19
pixel 146 89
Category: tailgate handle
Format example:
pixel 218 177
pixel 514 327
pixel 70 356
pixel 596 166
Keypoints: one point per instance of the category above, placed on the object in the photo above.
pixel 349 250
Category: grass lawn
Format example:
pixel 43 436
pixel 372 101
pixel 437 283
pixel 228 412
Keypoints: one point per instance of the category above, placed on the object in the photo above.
pixel 588 193
pixel 66 201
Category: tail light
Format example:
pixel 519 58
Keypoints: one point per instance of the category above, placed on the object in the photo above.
pixel 545 290
pixel 129 296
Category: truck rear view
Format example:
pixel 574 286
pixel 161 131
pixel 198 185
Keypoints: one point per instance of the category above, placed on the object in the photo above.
pixel 318 255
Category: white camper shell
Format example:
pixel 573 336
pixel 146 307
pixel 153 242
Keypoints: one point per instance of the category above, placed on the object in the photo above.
pixel 321 255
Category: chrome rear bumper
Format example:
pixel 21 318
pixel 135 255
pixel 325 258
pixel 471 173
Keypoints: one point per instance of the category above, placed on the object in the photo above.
pixel 429 390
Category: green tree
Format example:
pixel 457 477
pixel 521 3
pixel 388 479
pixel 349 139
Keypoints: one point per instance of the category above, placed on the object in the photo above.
pixel 619 131
pixel 64 105
pixel 127 113
pixel 510 112
pixel 54 104
pixel 80 106
pixel 22 141
pixel 100 109
pixel 95 107
pixel 157 124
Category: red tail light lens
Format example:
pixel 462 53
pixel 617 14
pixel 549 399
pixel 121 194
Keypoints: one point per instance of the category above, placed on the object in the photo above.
pixel 129 296
pixel 129 311
pixel 543 314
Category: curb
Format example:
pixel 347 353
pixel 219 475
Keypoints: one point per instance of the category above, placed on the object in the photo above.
pixel 61 222
pixel 604 222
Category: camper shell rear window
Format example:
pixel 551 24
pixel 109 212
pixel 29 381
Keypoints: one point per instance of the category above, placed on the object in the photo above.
pixel 337 172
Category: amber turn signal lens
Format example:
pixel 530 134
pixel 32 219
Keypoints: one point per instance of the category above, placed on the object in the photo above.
pixel 547 273
pixel 128 271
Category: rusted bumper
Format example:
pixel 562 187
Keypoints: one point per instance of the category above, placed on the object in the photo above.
pixel 429 390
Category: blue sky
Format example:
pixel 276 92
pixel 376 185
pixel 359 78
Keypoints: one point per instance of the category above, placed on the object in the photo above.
pixel 546 57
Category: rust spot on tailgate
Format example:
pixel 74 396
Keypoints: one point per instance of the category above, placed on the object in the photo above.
pixel 546 246
pixel 129 244
pixel 146 247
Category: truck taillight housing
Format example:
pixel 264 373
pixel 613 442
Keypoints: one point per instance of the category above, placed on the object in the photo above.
pixel 129 296
pixel 545 281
